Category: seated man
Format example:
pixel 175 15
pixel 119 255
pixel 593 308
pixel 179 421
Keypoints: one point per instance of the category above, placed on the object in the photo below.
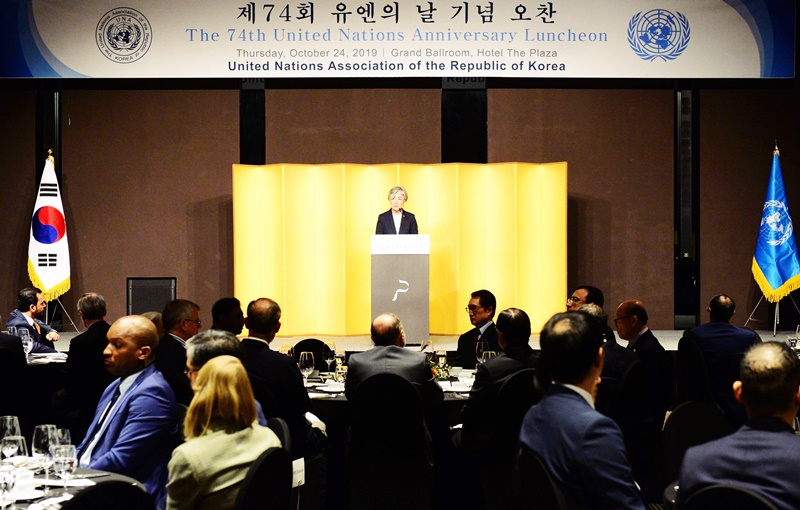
pixel 134 428
pixel 227 315
pixel 389 355
pixel 480 308
pixel 764 454
pixel 30 309
pixel 583 450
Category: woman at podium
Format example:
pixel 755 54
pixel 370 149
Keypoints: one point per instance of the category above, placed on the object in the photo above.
pixel 397 220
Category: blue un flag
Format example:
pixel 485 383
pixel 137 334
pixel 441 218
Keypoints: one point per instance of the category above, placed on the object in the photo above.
pixel 776 264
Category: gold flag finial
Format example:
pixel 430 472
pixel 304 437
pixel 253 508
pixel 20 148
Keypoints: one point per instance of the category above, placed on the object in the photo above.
pixel 50 156
pixel 776 151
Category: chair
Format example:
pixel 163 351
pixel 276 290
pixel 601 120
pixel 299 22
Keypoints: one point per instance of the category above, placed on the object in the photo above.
pixel 388 445
pixel 316 346
pixel 690 424
pixel 726 497
pixel 538 490
pixel 281 429
pixel 111 495
pixel 268 483
pixel 13 375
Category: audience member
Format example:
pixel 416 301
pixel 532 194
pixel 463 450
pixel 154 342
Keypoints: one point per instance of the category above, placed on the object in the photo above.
pixel 203 347
pixel 222 438
pixel 389 355
pixel 155 317
pixel 85 371
pixel 582 449
pixel 181 321
pixel 227 315
pixel 480 308
pixel 134 428
pixel 764 454
pixel 276 379
pixel 30 310
pixel 12 343
pixel 709 357
pixel 588 295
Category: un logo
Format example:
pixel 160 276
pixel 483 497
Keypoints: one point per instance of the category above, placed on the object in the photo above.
pixel 123 35
pixel 776 224
pixel 658 34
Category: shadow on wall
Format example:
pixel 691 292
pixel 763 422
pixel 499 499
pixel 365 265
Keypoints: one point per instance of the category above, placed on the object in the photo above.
pixel 589 244
pixel 210 246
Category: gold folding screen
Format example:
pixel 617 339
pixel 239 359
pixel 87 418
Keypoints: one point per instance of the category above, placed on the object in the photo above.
pixel 302 237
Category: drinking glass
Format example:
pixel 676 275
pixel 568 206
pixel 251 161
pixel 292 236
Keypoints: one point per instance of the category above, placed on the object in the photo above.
pixel 27 342
pixel 7 480
pixel 481 347
pixel 487 355
pixel 12 330
pixel 9 426
pixel 65 461
pixel 306 364
pixel 339 358
pixel 63 437
pixel 13 446
pixel 329 353
pixel 429 350
pixel 288 350
pixel 43 442
pixel 441 357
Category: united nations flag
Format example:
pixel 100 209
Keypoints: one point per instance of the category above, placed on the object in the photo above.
pixel 776 264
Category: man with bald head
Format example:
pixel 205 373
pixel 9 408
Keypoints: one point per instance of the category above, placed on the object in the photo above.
pixel 390 356
pixel 135 425
pixel 764 454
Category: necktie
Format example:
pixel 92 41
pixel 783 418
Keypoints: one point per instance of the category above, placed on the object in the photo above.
pixel 477 337
pixel 38 329
pixel 99 425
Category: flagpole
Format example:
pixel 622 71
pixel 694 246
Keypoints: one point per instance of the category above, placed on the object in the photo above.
pixel 68 316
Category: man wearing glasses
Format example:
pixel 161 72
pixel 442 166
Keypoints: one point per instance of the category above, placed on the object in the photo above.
pixel 480 308
pixel 181 320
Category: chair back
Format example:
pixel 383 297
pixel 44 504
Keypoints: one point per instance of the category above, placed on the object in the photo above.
pixel 281 429
pixel 13 375
pixel 538 489
pixel 388 444
pixel 268 483
pixel 515 396
pixel 726 497
pixel 316 346
pixel 690 424
pixel 111 495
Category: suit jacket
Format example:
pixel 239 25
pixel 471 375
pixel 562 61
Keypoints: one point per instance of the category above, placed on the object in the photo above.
pixel 40 342
pixel 583 451
pixel 658 369
pixel 617 359
pixel 408 223
pixel 409 364
pixel 720 347
pixel 171 362
pixel 86 375
pixel 139 437
pixel 481 410
pixel 466 346
pixel 14 371
pixel 763 455
pixel 205 473
pixel 278 386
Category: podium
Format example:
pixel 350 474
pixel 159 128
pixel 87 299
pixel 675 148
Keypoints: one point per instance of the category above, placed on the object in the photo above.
pixel 400 282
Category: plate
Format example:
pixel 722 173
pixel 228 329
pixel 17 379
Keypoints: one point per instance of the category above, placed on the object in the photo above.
pixel 26 495
pixel 330 389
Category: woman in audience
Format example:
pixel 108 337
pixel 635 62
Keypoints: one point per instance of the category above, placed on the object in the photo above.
pixel 222 439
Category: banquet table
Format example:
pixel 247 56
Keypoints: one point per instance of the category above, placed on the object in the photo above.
pixel 81 476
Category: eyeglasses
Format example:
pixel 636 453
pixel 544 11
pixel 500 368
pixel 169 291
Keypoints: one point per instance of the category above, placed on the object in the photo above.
pixel 472 308
pixel 575 299
pixel 198 321
pixel 190 371
pixel 620 318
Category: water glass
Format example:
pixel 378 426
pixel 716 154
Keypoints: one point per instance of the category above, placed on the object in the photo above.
pixel 13 446
pixel 339 358
pixel 65 461
pixel 487 355
pixel 341 373
pixel 306 364
pixel 9 426
pixel 27 342
pixel 42 444
pixel 63 436
pixel 481 347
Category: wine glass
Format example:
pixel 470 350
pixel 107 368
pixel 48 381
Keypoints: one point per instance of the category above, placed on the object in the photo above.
pixel 487 355
pixel 288 350
pixel 42 443
pixel 7 480
pixel 329 353
pixel 63 437
pixel 481 347
pixel 64 462
pixel 12 330
pixel 13 446
pixel 339 358
pixel 9 426
pixel 306 364
pixel 27 342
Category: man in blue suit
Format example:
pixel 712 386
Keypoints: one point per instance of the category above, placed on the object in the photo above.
pixel 30 309
pixel 135 426
pixel 764 454
pixel 582 449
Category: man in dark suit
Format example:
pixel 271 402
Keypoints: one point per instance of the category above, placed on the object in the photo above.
pixel 764 454
pixel 389 356
pixel 587 295
pixel 86 375
pixel 583 450
pixel 276 380
pixel 397 220
pixel 227 315
pixel 135 425
pixel 709 357
pixel 30 309
pixel 481 309
pixel 181 320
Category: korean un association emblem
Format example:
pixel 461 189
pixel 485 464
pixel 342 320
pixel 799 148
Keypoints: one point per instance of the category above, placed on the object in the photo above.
pixel 776 224
pixel 124 35
pixel 658 34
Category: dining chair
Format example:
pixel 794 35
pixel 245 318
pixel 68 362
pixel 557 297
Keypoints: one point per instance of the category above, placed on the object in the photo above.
pixel 316 346
pixel 281 429
pixel 110 495
pixel 268 483
pixel 538 490
pixel 726 497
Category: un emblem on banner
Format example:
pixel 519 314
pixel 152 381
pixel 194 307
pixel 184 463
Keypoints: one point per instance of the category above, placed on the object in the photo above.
pixel 124 35
pixel 658 34
pixel 776 225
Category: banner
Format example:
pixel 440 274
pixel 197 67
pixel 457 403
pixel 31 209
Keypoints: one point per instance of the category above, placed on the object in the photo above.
pixel 434 38
pixel 48 251
pixel 776 265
